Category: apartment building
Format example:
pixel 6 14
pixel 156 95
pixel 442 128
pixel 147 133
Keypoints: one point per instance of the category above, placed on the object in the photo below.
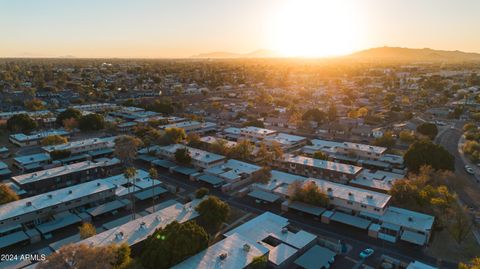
pixel 84 146
pixel 337 172
pixel 255 134
pixel 200 159
pixel 64 176
pixel 23 140
pixel 192 126
pixel 32 162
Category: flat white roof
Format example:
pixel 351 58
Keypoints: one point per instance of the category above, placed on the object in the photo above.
pixel 213 139
pixel 377 179
pixel 260 227
pixel 139 229
pixel 82 143
pixel 330 146
pixel 34 158
pixel 233 169
pixel 279 178
pixel 38 135
pixel 353 194
pixel 409 219
pixel 232 130
pixel 196 154
pixel 257 130
pixel 62 170
pixel 322 164
pixel 34 203
pixel 285 139
pixel 234 247
pixel 280 253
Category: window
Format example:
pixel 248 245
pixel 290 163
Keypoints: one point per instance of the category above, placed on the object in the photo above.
pixel 363 206
pixel 350 203
pixel 376 209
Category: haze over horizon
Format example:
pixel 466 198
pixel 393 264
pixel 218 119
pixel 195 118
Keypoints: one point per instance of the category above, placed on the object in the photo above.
pixel 179 29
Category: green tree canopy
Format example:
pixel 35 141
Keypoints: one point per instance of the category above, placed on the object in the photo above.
pixel 213 212
pixel 91 122
pixel 182 156
pixel 21 123
pixel 425 152
pixel 174 136
pixel 428 129
pixel 69 113
pixel 172 244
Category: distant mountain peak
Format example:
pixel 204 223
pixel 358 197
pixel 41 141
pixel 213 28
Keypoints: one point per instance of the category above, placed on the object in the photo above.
pixel 260 53
pixel 409 54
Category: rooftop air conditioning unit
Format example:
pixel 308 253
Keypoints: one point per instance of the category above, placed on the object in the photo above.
pixel 284 230
pixel 246 247
pixel 223 256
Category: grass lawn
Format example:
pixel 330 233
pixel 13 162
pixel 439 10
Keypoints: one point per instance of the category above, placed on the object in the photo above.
pixel 443 245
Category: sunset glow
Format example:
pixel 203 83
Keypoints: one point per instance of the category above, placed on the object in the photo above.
pixel 309 28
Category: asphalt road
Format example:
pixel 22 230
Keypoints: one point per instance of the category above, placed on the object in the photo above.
pixel 449 140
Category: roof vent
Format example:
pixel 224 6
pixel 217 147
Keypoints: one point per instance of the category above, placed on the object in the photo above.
pixel 369 196
pixel 70 191
pixel 350 194
pixel 143 225
pixel 98 184
pixel 223 256
pixel 246 247
pixel 119 236
pixel 410 219
pixel 284 230
pixel 329 189
pixel 28 203
pixel 50 196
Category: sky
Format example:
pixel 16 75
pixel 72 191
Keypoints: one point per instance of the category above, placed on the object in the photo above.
pixel 182 28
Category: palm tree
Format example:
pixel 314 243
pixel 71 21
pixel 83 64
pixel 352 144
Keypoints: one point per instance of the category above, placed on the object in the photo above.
pixel 130 173
pixel 153 175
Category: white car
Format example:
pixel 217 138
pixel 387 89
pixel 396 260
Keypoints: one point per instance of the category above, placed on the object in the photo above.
pixel 469 170
pixel 366 253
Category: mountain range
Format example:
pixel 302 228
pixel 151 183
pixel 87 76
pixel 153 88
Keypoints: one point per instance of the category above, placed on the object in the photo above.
pixel 373 54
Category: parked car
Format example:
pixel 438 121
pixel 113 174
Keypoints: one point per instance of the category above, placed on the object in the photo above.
pixel 469 170
pixel 366 253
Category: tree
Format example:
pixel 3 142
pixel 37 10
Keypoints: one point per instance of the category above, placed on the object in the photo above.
pixel 320 155
pixel 126 148
pixel 242 150
pixel 60 154
pixel 406 136
pixel 194 140
pixel 7 195
pixel 87 230
pixel 200 193
pixel 34 105
pixel 314 115
pixel 174 136
pixel 259 262
pixel 213 212
pixel 308 193
pixel 460 225
pixel 182 156
pixel 473 264
pixel 332 112
pixel 264 154
pixel 69 113
pixel 428 129
pixel 70 124
pixel 263 176
pixel 21 123
pixel 83 256
pixel 130 173
pixel 91 122
pixel 172 244
pixel 424 152
pixel 387 140
pixel 53 140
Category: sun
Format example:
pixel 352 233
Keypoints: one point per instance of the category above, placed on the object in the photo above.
pixel 314 28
